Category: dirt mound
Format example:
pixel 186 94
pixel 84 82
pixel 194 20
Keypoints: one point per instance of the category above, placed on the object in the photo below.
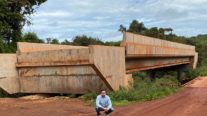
pixel 35 97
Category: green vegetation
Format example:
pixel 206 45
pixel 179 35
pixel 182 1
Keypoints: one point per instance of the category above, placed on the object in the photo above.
pixel 200 71
pixel 200 42
pixel 112 43
pixel 143 90
pixel 85 41
pixel 14 14
pixel 4 94
pixel 31 37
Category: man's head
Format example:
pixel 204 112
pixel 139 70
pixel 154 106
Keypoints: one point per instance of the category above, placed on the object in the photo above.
pixel 103 93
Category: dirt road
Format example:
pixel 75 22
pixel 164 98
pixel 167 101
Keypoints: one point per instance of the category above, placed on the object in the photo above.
pixel 191 101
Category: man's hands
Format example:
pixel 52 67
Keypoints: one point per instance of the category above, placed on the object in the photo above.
pixel 106 109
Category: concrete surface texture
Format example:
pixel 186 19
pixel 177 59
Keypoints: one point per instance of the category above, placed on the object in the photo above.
pixel 145 53
pixel 71 70
pixel 9 80
pixel 24 47
pixel 139 45
pixel 110 64
pixel 46 68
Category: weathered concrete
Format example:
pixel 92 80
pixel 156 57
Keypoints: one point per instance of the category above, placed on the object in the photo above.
pixel 146 53
pixel 24 47
pixel 60 79
pixel 143 46
pixel 54 57
pixel 46 68
pixel 110 63
pixel 72 70
pixel 9 81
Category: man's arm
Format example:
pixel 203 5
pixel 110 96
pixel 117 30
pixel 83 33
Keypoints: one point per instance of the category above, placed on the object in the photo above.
pixel 97 102
pixel 110 104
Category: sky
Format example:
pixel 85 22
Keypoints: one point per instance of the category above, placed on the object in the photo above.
pixel 65 19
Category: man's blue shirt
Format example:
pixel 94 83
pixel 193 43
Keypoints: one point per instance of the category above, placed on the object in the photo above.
pixel 103 102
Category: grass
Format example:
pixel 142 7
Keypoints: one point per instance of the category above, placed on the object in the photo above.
pixel 4 94
pixel 143 90
pixel 200 71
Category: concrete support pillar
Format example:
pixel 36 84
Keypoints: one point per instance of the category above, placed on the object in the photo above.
pixel 179 75
pixel 181 72
pixel 152 75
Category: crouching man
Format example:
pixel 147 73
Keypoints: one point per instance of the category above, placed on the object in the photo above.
pixel 103 103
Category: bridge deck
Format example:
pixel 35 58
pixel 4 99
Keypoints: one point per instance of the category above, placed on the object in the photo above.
pixel 145 53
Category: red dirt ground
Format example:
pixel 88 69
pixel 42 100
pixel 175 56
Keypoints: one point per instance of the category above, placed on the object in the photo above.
pixel 191 101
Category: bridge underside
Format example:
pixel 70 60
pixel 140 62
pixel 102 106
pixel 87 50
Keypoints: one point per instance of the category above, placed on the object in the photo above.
pixel 142 64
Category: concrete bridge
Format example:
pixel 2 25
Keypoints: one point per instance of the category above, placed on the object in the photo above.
pixel 145 53
pixel 46 68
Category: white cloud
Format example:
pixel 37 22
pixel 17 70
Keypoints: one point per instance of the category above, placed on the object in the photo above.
pixel 53 14
pixel 101 18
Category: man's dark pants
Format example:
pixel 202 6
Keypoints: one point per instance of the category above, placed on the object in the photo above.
pixel 98 110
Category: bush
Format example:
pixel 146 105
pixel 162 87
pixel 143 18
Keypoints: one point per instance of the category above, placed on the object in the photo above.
pixel 143 90
pixel 200 71
pixel 4 94
pixel 90 96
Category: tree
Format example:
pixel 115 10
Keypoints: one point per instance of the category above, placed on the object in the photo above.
pixel 32 37
pixel 168 30
pixel 122 28
pixel 85 41
pixel 113 43
pixel 152 32
pixel 14 14
pixel 200 43
pixel 66 42
pixel 1 45
pixel 161 33
pixel 48 40
pixel 137 27
pixel 55 41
